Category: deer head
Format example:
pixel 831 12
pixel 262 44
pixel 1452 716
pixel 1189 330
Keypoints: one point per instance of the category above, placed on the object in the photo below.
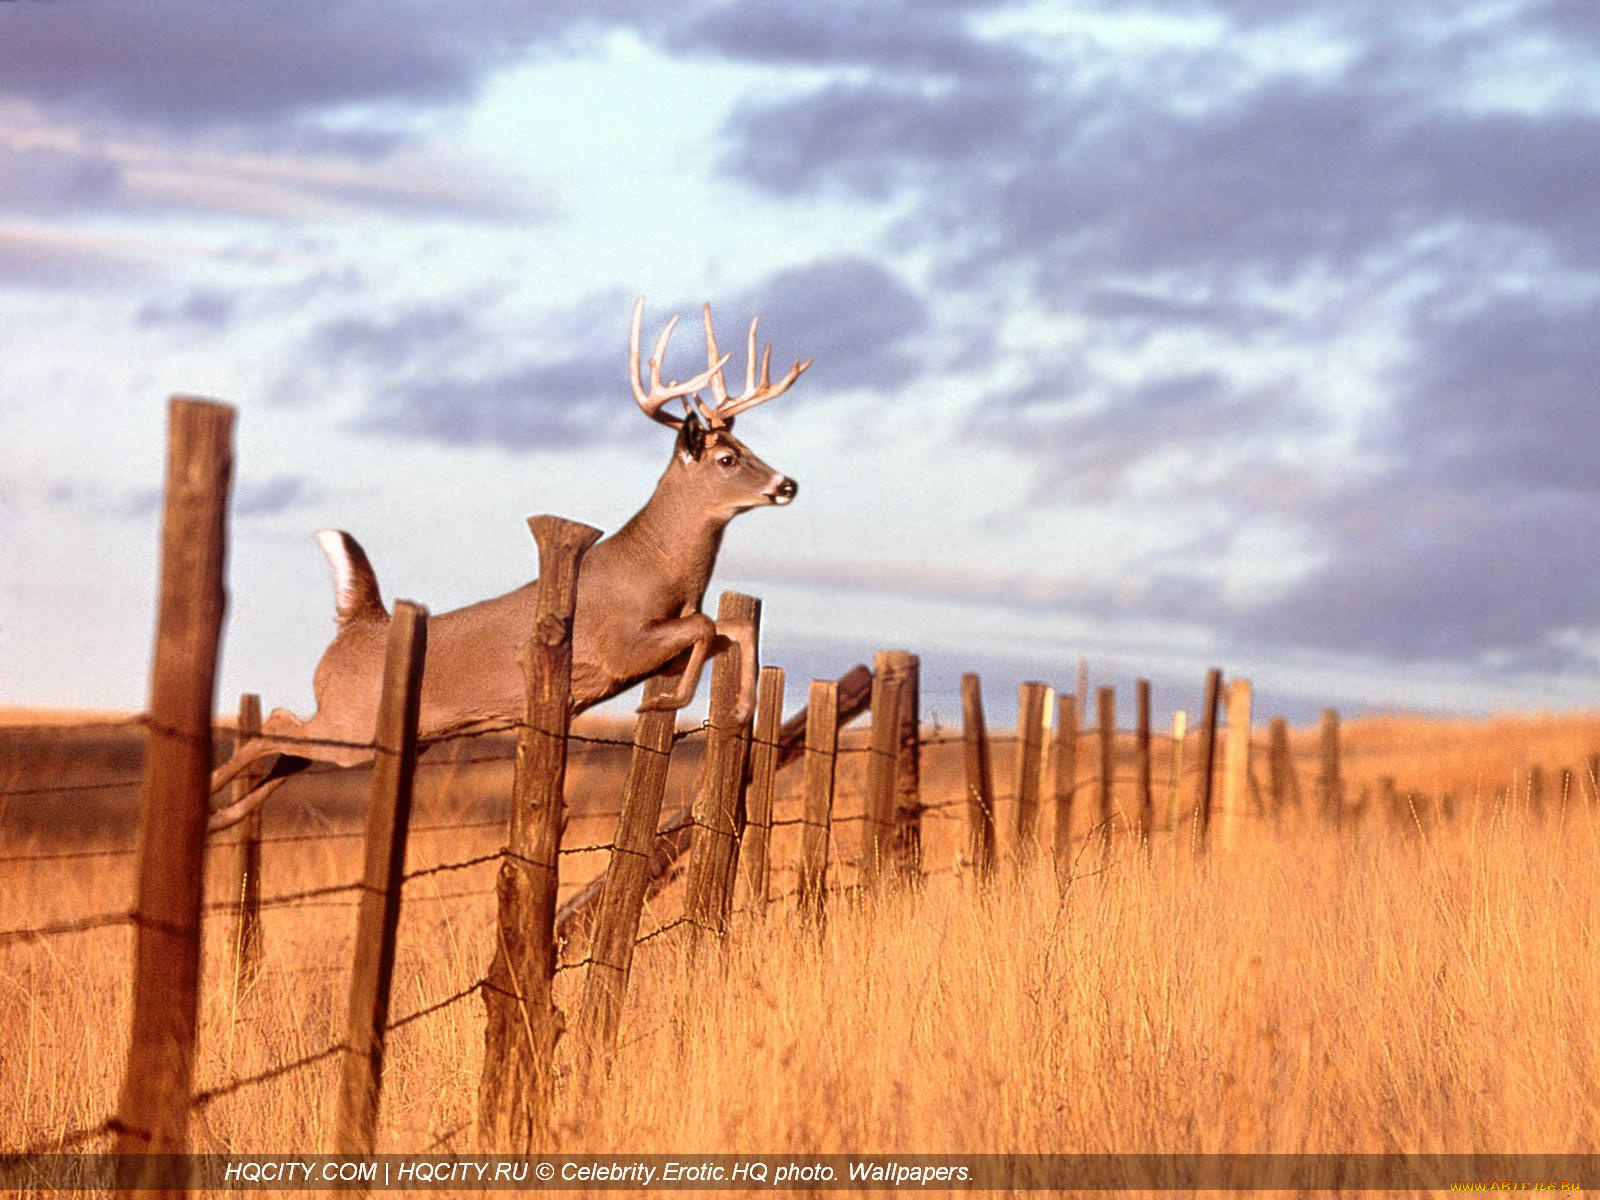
pixel 719 471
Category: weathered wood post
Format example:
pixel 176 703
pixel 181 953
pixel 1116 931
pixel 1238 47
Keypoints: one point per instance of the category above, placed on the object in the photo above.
pixel 1106 744
pixel 672 838
pixel 883 764
pixel 247 918
pixel 906 837
pixel 980 778
pixel 822 748
pixel 719 799
pixel 1206 782
pixel 1180 730
pixel 1330 782
pixel 1066 781
pixel 388 820
pixel 514 1091
pixel 763 782
pixel 1146 794
pixel 1282 784
pixel 1030 758
pixel 1236 767
pixel 616 923
pixel 174 793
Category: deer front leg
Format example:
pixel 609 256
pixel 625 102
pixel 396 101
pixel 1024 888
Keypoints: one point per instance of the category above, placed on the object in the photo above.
pixel 666 640
pixel 743 635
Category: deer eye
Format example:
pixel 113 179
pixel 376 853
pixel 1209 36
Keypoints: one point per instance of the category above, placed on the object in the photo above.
pixel 725 460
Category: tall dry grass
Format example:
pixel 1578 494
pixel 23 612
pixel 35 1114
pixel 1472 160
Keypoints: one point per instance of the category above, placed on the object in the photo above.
pixel 1383 992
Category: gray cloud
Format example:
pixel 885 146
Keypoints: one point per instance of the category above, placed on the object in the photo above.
pixel 34 259
pixel 266 69
pixel 43 180
pixel 442 374
pixel 209 308
pixel 252 498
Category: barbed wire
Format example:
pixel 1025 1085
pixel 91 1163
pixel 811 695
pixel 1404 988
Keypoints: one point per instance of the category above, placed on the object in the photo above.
pixel 207 1095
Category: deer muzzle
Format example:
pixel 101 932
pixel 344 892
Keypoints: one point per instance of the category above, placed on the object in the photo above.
pixel 782 491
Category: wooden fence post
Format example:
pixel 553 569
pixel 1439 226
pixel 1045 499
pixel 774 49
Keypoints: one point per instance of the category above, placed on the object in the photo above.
pixel 1106 714
pixel 247 920
pixel 1146 796
pixel 616 923
pixel 719 798
pixel 1180 730
pixel 1283 785
pixel 980 777
pixel 753 854
pixel 822 748
pixel 1030 756
pixel 1236 768
pixel 174 794
pixel 1205 783
pixel 1330 782
pixel 907 833
pixel 388 820
pixel 883 763
pixel 855 691
pixel 514 1090
pixel 1066 781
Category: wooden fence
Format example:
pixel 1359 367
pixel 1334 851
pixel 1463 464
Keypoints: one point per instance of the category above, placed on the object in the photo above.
pixel 1193 788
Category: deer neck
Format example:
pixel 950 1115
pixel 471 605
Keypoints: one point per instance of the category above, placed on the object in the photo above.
pixel 674 533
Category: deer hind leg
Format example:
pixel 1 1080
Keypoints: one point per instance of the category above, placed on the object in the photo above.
pixel 293 746
pixel 277 775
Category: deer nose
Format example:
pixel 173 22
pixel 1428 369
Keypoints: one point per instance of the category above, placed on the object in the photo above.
pixel 785 491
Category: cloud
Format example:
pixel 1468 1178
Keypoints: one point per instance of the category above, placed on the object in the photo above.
pixel 36 258
pixel 45 180
pixel 1502 394
pixel 447 373
pixel 208 308
pixel 184 68
pixel 252 498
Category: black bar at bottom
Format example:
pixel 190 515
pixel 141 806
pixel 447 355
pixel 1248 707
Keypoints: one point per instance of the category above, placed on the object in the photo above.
pixel 840 1172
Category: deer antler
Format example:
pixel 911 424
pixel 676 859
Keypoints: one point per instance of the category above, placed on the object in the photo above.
pixel 659 396
pixel 754 394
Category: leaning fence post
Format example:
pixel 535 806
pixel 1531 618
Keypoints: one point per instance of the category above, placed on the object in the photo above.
pixel 719 800
pixel 907 832
pixel 1205 782
pixel 1066 780
pixel 616 923
pixel 1236 768
pixel 174 794
pixel 1106 702
pixel 247 920
pixel 1146 797
pixel 883 763
pixel 388 819
pixel 1030 756
pixel 822 746
pixel 753 854
pixel 522 1023
pixel 1330 784
pixel 980 777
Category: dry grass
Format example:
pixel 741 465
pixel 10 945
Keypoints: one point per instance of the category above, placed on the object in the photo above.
pixel 1390 991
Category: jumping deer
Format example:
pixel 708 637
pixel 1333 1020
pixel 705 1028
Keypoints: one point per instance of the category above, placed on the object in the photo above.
pixel 639 596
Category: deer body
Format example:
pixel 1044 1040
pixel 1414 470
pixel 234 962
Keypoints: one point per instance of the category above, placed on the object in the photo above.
pixel 638 609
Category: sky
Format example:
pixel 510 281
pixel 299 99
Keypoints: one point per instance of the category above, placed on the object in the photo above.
pixel 1168 334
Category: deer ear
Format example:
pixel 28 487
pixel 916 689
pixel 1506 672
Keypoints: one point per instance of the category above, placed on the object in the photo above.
pixel 691 438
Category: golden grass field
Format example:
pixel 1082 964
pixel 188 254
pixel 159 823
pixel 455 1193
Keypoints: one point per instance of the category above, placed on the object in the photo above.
pixel 1422 985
